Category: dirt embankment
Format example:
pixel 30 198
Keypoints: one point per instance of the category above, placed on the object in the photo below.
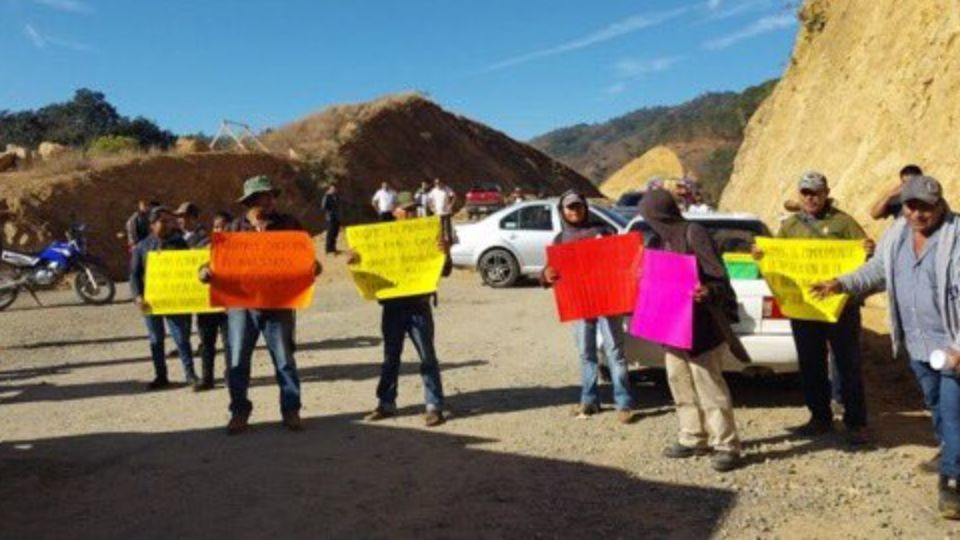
pixel 103 198
pixel 872 85
pixel 407 139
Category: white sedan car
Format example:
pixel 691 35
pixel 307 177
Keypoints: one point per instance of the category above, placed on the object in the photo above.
pixel 512 242
pixel 763 329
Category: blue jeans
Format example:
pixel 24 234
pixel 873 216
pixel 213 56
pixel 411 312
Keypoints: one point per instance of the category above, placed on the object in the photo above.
pixel 941 393
pixel 811 339
pixel 208 326
pixel 585 333
pixel 179 326
pixel 244 329
pixel 412 318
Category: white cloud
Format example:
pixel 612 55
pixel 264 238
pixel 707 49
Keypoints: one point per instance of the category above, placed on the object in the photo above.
pixel 765 25
pixel 71 6
pixel 612 31
pixel 616 88
pixel 632 68
pixel 724 10
pixel 41 40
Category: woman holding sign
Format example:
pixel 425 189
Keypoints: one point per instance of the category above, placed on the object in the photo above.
pixel 577 226
pixel 703 402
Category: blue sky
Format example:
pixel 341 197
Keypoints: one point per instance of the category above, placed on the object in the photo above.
pixel 522 66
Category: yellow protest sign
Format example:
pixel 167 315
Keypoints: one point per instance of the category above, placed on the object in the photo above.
pixel 172 287
pixel 791 266
pixel 397 258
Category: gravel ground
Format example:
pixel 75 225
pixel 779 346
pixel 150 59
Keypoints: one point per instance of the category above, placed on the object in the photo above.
pixel 86 453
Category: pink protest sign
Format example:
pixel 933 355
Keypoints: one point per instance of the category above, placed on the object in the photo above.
pixel 664 310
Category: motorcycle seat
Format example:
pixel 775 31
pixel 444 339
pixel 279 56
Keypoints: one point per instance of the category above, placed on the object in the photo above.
pixel 16 258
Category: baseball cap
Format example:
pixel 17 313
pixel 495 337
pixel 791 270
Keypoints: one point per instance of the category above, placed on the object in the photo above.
pixel 156 213
pixel 921 188
pixel 187 209
pixel 813 181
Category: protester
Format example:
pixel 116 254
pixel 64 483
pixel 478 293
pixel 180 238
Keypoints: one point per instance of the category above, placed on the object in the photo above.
pixel 422 198
pixel 276 325
pixel 160 238
pixel 384 202
pixel 684 193
pixel 819 218
pixel 196 235
pixel 517 196
pixel 330 204
pixel 889 205
pixel 919 265
pixel 576 225
pixel 409 316
pixel 695 377
pixel 137 225
pixel 442 201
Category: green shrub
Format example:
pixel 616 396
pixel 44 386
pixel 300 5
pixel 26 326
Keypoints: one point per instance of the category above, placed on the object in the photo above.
pixel 113 144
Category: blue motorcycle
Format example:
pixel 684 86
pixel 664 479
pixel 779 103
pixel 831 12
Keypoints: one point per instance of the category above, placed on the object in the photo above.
pixel 47 269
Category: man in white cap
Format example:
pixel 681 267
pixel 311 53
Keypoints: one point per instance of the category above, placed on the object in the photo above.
pixel 918 264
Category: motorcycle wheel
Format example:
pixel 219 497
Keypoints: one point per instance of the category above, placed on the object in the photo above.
pixel 8 296
pixel 97 292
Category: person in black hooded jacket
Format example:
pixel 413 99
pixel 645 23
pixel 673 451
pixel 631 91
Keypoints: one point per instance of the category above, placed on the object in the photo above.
pixel 702 398
pixel 577 225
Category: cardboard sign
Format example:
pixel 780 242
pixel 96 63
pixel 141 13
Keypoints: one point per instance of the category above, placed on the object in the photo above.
pixel 598 277
pixel 664 312
pixel 262 270
pixel 172 285
pixel 397 258
pixel 741 266
pixel 791 266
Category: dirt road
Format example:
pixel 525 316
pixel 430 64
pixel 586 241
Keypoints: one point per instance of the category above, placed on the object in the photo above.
pixel 86 453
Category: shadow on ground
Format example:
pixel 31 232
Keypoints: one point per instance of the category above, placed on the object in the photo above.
pixel 338 479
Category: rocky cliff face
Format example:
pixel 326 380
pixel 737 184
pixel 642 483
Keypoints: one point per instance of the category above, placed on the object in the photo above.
pixel 872 85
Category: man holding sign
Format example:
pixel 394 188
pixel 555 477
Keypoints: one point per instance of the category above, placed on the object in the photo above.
pixel 919 265
pixel 395 263
pixel 162 237
pixel 818 218
pixel 246 324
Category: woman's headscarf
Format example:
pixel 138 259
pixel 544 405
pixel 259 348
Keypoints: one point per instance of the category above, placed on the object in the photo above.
pixel 662 214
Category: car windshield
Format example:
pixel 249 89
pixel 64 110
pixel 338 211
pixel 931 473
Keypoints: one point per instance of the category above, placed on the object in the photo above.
pixel 611 216
pixel 731 236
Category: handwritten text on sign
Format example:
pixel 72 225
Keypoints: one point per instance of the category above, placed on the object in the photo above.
pixel 262 270
pixel 791 266
pixel 397 259
pixel 598 276
pixel 172 284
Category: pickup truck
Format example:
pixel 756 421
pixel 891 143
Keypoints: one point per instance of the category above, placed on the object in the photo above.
pixel 483 199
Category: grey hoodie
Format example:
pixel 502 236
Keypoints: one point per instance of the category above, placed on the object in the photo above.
pixel 877 275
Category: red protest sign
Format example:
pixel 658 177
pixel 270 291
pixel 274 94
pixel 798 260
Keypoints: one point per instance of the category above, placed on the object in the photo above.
pixel 263 270
pixel 598 277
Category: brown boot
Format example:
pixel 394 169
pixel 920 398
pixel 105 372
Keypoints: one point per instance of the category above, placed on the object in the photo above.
pixel 626 416
pixel 291 421
pixel 238 424
pixel 433 418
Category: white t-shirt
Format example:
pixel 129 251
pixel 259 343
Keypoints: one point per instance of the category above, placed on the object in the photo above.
pixel 441 200
pixel 385 200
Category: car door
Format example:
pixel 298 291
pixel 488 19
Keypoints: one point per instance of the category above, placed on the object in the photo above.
pixel 528 231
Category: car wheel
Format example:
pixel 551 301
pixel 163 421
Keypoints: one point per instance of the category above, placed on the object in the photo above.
pixel 499 268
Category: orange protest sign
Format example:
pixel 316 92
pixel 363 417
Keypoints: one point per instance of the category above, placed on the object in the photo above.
pixel 264 270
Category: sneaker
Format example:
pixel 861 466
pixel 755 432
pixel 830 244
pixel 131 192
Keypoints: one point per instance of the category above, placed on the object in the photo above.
pixel 723 461
pixel 158 384
pixel 858 437
pixel 930 466
pixel 238 424
pixel 626 416
pixel 433 418
pixel 680 451
pixel 380 413
pixel 813 428
pixel 949 504
pixel 291 420
pixel 586 410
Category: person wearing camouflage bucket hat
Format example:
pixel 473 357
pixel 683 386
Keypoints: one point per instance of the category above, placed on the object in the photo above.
pixel 256 185
pixel 819 218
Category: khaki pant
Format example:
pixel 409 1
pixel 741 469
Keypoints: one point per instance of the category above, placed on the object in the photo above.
pixel 703 400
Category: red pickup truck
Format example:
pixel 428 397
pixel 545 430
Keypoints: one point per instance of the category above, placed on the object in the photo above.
pixel 483 199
